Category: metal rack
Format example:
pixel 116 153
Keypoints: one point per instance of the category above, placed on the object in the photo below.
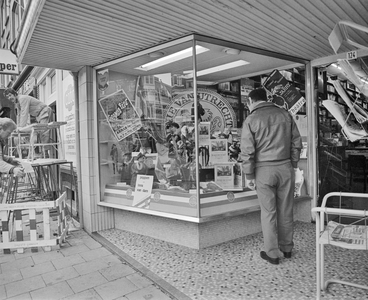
pixel 326 234
pixel 27 139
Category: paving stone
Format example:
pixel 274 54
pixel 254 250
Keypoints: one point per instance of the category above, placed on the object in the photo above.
pixel 10 276
pixel 149 292
pixel 67 261
pixel 66 251
pixel 111 259
pixel 37 269
pixel 6 258
pixel 86 282
pixel 56 291
pixel 60 275
pixel 17 264
pixel 92 244
pixel 91 266
pixel 41 257
pixel 116 271
pixel 95 253
pixel 139 280
pixel 90 294
pixel 2 292
pixel 116 288
pixel 25 296
pixel 24 286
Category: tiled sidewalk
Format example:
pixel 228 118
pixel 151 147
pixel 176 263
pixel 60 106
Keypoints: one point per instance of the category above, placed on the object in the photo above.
pixel 81 269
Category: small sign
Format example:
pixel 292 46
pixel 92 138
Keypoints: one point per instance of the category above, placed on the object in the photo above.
pixel 352 55
pixel 8 62
pixel 143 190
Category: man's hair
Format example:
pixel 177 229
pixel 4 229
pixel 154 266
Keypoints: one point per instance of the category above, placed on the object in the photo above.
pixel 6 123
pixel 259 94
pixel 10 91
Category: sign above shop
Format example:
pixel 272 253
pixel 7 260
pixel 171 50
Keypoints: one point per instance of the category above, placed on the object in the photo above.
pixel 8 63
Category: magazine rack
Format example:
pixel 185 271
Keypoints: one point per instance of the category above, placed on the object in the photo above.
pixel 339 234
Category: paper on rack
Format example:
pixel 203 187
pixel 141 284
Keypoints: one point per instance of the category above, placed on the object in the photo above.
pixel 351 236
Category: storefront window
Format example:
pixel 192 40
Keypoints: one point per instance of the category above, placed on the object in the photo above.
pixel 169 137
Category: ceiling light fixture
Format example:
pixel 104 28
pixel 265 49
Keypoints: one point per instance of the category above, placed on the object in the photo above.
pixel 156 54
pixel 232 51
pixel 171 58
pixel 216 69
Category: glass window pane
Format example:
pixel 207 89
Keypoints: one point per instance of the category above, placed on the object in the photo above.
pixel 146 133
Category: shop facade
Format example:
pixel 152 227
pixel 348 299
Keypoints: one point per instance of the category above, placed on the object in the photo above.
pixel 191 193
pixel 158 175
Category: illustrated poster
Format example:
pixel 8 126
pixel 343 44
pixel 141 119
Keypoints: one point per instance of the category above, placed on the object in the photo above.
pixel 218 151
pixel 285 95
pixel 120 114
pixel 224 176
pixel 204 133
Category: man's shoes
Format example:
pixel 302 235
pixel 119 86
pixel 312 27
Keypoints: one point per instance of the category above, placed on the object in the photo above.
pixel 287 254
pixel 274 261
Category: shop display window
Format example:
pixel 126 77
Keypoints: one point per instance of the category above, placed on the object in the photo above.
pixel 169 126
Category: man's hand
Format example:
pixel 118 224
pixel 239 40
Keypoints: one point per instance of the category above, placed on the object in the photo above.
pixel 250 183
pixel 18 172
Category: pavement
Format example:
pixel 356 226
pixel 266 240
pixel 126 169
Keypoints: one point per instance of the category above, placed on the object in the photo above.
pixel 84 267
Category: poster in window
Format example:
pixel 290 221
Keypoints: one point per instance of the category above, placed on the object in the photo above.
pixel 218 151
pixel 284 94
pixel 224 176
pixel 120 114
pixel 204 135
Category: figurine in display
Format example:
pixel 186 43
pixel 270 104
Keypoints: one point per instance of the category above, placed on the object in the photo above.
pixel 200 111
pixel 189 172
pixel 114 157
pixel 234 150
pixel 173 173
pixel 187 137
pixel 126 167
pixel 138 168
pixel 172 138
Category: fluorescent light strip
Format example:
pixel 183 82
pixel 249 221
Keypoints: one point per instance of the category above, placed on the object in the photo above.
pixel 231 65
pixel 336 66
pixel 171 58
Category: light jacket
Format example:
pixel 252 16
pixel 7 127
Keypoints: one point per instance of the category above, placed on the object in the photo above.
pixel 29 106
pixel 5 161
pixel 269 137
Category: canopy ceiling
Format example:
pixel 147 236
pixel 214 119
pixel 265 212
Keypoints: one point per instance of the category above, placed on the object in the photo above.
pixel 70 34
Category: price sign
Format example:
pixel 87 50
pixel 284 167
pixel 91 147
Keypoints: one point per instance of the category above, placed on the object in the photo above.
pixel 143 189
pixel 351 55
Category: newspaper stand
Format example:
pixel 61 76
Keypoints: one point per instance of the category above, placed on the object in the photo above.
pixel 346 234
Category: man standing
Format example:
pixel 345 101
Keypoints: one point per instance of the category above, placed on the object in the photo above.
pixel 270 151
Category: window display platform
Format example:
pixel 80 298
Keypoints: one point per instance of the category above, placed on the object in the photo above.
pixel 196 232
